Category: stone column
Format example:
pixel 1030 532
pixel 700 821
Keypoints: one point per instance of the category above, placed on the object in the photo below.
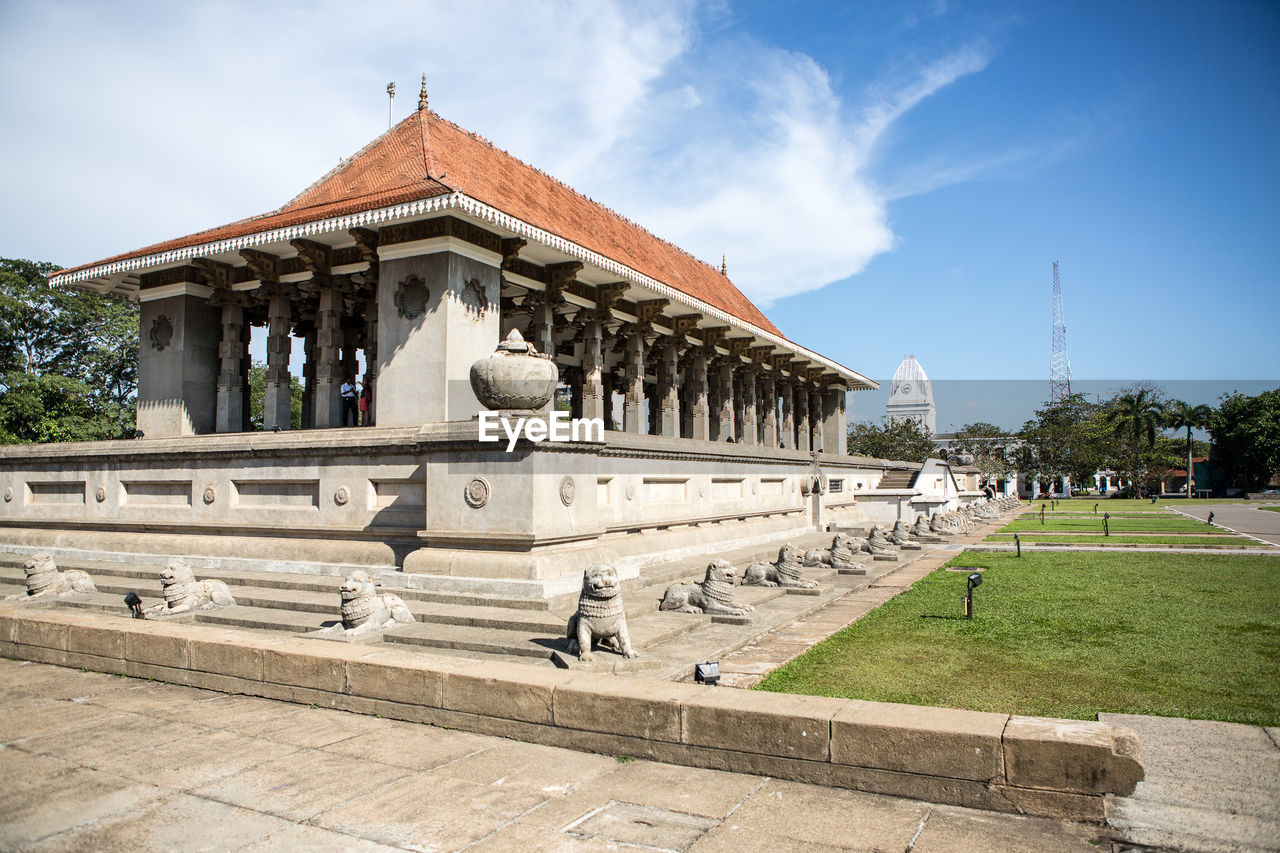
pixel 816 413
pixel 592 372
pixel 543 325
pixel 276 398
pixel 633 396
pixel 699 410
pixel 371 360
pixel 842 422
pixel 803 432
pixel 327 403
pixel 769 398
pixel 309 379
pixel 668 393
pixel 230 411
pixel 750 396
pixel 832 418
pixel 724 395
pixel 788 413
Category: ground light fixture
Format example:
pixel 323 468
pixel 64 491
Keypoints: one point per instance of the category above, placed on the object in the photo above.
pixel 1017 541
pixel 135 605
pixel 1106 524
pixel 974 581
pixel 707 673
pixel 1210 521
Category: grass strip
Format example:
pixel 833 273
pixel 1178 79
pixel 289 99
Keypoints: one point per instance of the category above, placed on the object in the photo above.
pixel 1068 635
pixel 1092 524
pixel 1226 541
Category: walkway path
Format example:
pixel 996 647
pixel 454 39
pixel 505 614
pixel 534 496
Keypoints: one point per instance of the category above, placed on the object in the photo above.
pixel 97 762
pixel 1210 786
pixel 1239 518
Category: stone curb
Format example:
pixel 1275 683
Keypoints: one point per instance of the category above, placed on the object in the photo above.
pixel 1029 765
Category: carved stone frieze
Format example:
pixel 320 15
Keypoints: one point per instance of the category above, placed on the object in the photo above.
pixel 477 492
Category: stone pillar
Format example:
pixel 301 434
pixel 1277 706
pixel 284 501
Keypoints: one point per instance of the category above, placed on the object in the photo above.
pixel 276 399
pixel 769 398
pixel 700 410
pixel 724 399
pixel 371 361
pixel 668 393
pixel 788 413
pixel 633 394
pixel 309 379
pixel 750 397
pixel 592 371
pixel 543 325
pixel 816 413
pixel 230 413
pixel 178 364
pixel 832 420
pixel 803 433
pixel 842 422
pixel 328 402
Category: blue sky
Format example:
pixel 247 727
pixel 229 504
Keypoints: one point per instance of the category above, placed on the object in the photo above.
pixel 884 178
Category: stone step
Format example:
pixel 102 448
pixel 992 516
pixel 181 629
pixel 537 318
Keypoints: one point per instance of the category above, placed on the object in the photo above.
pixel 12 563
pixel 268 619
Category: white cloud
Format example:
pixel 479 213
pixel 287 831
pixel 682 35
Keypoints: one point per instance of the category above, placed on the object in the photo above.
pixel 138 122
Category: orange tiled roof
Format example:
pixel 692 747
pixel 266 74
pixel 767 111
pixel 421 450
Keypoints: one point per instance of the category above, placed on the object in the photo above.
pixel 425 156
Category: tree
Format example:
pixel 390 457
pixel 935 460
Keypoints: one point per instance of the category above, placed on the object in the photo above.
pixel 895 438
pixel 1178 415
pixel 1133 417
pixel 257 396
pixel 1246 437
pixel 1063 440
pixel 987 444
pixel 49 334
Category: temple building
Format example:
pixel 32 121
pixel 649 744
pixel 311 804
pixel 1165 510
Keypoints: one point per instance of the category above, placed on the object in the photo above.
pixel 417 256
pixel 911 396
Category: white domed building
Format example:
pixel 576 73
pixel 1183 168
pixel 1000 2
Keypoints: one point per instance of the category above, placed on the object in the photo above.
pixel 911 396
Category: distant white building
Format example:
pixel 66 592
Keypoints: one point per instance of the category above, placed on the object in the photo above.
pixel 911 396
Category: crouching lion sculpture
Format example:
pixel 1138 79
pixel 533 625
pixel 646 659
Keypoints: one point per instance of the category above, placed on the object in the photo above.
pixel 785 572
pixel 364 609
pixel 600 616
pixel 713 596
pixel 45 581
pixel 183 593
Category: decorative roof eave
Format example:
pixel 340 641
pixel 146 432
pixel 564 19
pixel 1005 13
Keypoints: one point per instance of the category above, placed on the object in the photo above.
pixel 473 207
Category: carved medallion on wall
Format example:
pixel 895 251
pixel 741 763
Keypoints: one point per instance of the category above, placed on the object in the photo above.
pixel 100 494
pixel 474 300
pixel 568 491
pixel 755 487
pixel 161 333
pixel 210 494
pixel 341 496
pixel 411 297
pixel 8 493
pixel 477 492
pixel 631 491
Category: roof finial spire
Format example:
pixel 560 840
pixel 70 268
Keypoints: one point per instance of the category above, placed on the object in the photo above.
pixel 724 269
pixel 422 94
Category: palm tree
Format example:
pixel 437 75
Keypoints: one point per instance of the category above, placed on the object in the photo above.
pixel 1136 416
pixel 1179 415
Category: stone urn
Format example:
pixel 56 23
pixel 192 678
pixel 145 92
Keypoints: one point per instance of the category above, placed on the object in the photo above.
pixel 516 376
pixel 960 458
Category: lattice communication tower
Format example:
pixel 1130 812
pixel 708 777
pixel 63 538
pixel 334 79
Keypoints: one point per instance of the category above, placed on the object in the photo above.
pixel 1059 364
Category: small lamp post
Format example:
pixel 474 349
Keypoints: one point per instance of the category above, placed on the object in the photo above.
pixel 1018 541
pixel 974 580
pixel 1106 524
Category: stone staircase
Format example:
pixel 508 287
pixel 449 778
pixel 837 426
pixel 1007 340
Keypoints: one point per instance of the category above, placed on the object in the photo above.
pixel 497 627
pixel 896 479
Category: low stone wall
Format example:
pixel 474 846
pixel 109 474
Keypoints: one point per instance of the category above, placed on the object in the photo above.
pixel 1060 768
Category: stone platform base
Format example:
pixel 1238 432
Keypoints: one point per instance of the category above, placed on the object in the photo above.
pixel 1029 765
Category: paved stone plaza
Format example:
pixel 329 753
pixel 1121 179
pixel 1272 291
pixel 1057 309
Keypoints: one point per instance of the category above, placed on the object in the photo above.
pixel 98 762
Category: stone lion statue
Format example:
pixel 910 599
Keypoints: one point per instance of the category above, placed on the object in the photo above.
pixel 183 593
pixel 785 572
pixel 45 581
pixel 879 544
pixel 843 553
pixel 600 616
pixel 364 609
pixel 713 595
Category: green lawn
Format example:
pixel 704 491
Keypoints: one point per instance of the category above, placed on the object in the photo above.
pixel 1162 524
pixel 1068 635
pixel 1270 508
pixel 1227 541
